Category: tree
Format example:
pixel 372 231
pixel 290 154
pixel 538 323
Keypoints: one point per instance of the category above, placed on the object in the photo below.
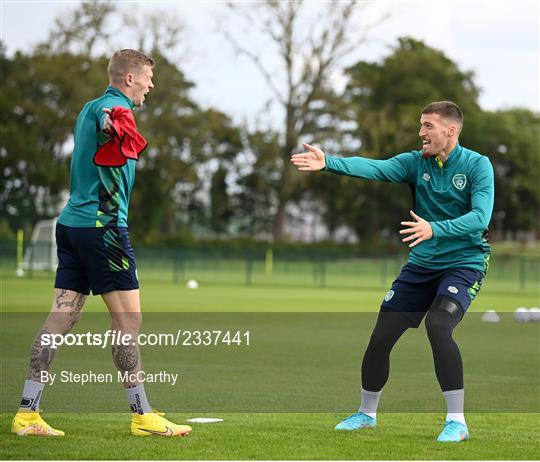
pixel 383 104
pixel 384 119
pixel 40 97
pixel 510 139
pixel 256 196
pixel 307 51
pixel 387 113
pixel 81 30
pixel 220 204
pixel 186 144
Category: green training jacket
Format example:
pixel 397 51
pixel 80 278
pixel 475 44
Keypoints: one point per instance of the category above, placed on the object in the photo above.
pixel 99 196
pixel 456 197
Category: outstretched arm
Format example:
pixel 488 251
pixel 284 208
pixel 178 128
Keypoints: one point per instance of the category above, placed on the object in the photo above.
pixel 310 161
pixel 398 169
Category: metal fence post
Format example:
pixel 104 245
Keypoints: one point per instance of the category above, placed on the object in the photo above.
pixel 322 270
pixel 522 273
pixel 20 252
pixel 384 271
pixel 31 268
pixel 175 266
pixel 269 261
pixel 179 266
pixel 249 269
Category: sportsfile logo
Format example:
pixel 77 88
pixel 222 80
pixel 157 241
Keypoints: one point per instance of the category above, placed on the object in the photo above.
pixel 110 337
pixel 183 338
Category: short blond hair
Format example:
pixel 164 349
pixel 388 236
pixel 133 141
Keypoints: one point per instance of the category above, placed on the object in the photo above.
pixel 125 61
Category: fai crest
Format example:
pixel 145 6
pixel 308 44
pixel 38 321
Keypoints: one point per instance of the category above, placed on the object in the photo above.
pixel 459 181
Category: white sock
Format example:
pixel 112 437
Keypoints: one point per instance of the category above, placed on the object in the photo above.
pixel 458 417
pixel 31 396
pixel 454 405
pixel 138 402
pixel 369 403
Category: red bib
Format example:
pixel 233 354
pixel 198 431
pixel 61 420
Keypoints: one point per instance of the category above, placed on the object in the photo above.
pixel 125 142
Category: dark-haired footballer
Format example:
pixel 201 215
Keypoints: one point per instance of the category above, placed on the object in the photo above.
pixel 453 201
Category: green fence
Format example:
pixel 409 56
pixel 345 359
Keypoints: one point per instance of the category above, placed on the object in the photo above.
pixel 269 267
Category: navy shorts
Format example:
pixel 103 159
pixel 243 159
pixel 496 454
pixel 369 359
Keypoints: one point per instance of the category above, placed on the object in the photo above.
pixel 97 259
pixel 414 290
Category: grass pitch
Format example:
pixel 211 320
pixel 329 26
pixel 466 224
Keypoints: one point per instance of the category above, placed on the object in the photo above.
pixel 281 436
pixel 501 358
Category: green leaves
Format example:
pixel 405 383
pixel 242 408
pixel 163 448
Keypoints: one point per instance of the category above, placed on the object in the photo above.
pixel 203 174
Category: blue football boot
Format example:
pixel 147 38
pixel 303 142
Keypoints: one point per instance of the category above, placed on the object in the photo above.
pixel 453 432
pixel 356 421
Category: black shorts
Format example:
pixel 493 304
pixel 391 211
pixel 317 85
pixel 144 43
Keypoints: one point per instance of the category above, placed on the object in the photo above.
pixel 97 259
pixel 415 288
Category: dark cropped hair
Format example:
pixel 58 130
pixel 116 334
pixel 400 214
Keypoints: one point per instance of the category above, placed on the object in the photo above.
pixel 446 109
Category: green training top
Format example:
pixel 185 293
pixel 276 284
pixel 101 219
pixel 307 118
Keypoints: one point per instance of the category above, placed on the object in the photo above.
pixel 99 196
pixel 456 197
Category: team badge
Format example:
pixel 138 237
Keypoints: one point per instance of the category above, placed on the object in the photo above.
pixel 426 176
pixel 388 295
pixel 459 181
pixel 453 290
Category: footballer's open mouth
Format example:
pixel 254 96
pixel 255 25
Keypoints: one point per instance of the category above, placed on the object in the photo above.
pixel 425 143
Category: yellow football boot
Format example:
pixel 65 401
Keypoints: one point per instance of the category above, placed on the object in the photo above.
pixel 154 424
pixel 31 423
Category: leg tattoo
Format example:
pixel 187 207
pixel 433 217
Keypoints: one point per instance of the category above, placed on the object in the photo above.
pixel 126 358
pixel 74 305
pixel 41 358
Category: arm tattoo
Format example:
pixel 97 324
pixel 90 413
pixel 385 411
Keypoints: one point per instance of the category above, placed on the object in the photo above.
pixel 41 358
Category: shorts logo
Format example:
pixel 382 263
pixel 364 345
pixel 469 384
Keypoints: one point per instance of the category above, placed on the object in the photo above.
pixel 459 181
pixel 426 176
pixel 453 290
pixel 388 295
